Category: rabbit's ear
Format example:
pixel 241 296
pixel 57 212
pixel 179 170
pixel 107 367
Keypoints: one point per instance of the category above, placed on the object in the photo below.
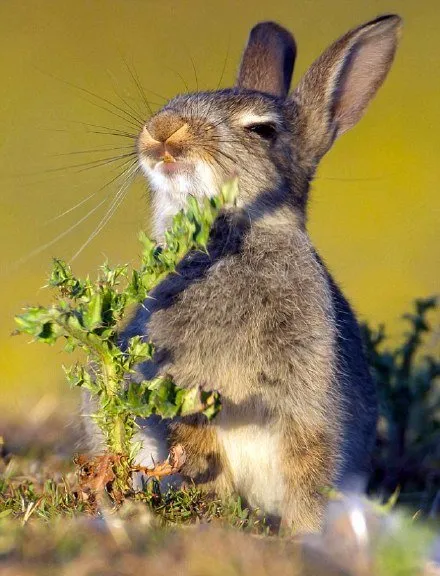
pixel 335 91
pixel 268 59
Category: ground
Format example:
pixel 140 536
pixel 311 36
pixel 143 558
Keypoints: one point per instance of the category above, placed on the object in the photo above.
pixel 49 525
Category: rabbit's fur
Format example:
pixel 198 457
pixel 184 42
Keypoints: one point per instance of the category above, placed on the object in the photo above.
pixel 259 317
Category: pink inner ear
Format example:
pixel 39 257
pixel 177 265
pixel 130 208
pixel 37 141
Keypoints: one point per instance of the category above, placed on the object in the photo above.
pixel 364 71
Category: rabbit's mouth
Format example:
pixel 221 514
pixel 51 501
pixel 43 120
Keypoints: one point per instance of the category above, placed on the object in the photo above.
pixel 179 178
pixel 174 167
pixel 171 184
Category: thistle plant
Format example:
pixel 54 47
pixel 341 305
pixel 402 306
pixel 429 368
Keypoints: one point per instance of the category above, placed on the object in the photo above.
pixel 87 314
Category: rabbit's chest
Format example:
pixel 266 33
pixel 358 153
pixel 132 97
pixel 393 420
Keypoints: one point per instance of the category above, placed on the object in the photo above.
pixel 253 455
pixel 207 328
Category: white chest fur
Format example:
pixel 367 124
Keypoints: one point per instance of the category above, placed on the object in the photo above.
pixel 252 451
pixel 253 454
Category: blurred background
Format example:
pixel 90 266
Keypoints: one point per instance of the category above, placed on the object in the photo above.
pixel 375 208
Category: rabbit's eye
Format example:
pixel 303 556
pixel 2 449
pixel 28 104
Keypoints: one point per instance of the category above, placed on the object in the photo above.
pixel 266 130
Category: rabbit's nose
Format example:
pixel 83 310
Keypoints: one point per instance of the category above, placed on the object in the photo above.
pixel 167 127
pixel 163 137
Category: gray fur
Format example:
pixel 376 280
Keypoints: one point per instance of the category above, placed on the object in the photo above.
pixel 259 317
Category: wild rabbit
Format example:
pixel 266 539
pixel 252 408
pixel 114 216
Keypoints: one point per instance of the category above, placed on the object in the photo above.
pixel 259 318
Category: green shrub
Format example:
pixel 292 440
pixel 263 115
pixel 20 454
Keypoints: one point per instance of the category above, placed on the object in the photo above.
pixel 407 455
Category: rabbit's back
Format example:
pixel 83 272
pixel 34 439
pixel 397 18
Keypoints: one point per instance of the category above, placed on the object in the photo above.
pixel 358 393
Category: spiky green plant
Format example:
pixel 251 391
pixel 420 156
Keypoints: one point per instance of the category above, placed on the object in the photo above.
pixel 87 313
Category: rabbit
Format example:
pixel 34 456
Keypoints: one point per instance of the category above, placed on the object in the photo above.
pixel 258 317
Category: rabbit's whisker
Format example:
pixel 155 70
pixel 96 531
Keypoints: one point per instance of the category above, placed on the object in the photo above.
pixel 85 166
pixel 107 148
pixel 134 76
pixel 224 65
pixel 372 179
pixel 64 233
pixel 133 116
pixel 110 131
pixel 215 124
pixel 140 113
pixel 194 70
pixel 134 123
pixel 116 202
pixel 102 130
pixel 96 163
pixel 84 200
pixel 181 78
pixel 114 109
pixel 220 140
pixel 69 210
pixel 228 157
pixel 127 117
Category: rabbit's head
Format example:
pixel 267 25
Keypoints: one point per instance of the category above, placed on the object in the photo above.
pixel 270 140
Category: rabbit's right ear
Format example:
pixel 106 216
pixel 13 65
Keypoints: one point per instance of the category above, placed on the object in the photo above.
pixel 334 93
pixel 268 60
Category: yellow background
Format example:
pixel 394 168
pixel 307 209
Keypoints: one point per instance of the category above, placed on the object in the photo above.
pixel 375 208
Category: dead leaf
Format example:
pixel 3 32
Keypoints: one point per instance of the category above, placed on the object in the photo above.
pixel 172 465
pixel 95 473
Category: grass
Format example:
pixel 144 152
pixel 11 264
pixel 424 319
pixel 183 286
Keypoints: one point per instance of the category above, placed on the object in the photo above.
pixel 47 487
pixel 48 527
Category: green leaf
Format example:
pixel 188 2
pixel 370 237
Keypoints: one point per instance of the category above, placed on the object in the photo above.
pixel 212 401
pixel 191 401
pixel 230 191
pixel 138 350
pixel 92 317
pixel 41 323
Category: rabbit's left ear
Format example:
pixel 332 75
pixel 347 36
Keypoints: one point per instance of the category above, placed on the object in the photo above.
pixel 267 63
pixel 335 91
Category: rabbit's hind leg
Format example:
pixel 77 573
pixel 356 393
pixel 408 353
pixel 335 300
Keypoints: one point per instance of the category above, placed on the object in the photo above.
pixel 309 465
pixel 205 464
